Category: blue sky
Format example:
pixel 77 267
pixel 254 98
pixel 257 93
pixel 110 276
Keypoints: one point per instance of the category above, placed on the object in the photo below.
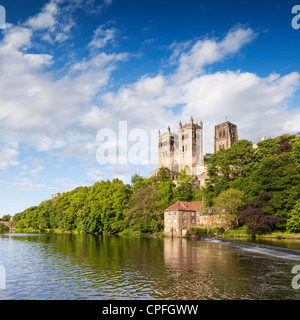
pixel 69 69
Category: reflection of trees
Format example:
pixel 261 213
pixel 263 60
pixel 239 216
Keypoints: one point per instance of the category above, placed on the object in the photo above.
pixel 93 267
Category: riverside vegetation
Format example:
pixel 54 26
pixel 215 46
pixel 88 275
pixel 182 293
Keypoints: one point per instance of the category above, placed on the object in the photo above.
pixel 256 190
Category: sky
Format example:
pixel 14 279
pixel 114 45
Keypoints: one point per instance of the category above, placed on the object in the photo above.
pixel 85 85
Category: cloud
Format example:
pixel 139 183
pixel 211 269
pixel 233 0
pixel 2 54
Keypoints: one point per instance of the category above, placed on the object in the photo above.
pixel 102 36
pixel 46 19
pixel 191 62
pixel 95 175
pixel 61 112
pixel 39 108
pixel 8 157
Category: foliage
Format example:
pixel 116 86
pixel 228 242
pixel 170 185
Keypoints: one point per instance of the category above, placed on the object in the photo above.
pixel 255 217
pixel 3 228
pixel 240 173
pixel 280 176
pixel 5 218
pixel 205 232
pixel 228 166
pixel 293 223
pixel 184 190
pixel 229 204
pixel 273 167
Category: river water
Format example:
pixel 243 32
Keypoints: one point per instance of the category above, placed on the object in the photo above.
pixel 64 266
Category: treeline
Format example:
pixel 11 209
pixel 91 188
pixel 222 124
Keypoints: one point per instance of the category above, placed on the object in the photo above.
pixel 110 206
pixel 258 187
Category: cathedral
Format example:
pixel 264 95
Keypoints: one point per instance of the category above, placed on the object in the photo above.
pixel 184 149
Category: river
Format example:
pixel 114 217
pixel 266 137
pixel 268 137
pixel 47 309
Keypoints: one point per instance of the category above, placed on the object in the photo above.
pixel 68 266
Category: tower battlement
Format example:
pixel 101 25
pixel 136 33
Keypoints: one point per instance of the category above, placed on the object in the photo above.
pixel 182 149
pixel 225 136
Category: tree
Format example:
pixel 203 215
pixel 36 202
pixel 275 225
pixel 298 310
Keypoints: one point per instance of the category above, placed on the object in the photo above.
pixel 229 165
pixel 283 146
pixel 229 204
pixel 146 212
pixel 184 190
pixel 278 175
pixel 293 223
pixel 5 218
pixel 255 217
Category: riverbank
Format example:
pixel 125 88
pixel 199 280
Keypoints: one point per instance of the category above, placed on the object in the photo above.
pixel 58 231
pixel 241 233
pixel 193 232
pixel 238 233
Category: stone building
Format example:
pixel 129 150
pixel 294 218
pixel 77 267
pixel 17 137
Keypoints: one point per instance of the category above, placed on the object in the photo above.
pixel 184 149
pixel 182 215
pixel 53 196
pixel 177 151
pixel 225 136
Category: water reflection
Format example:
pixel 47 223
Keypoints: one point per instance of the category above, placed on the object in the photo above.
pixel 65 266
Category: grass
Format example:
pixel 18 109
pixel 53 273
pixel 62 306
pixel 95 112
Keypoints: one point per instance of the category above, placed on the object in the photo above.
pixel 241 232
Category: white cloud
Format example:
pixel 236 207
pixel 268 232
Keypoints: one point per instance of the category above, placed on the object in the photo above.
pixel 95 175
pixel 63 114
pixel 8 157
pixel 103 36
pixel 191 63
pixel 45 19
pixel 26 184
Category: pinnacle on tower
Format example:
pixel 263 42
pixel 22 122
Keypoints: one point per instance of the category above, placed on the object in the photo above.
pixel 192 120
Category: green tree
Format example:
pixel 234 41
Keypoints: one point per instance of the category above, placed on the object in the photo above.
pixel 230 168
pixel 146 212
pixel 185 186
pixel 293 222
pixel 280 176
pixel 5 218
pixel 229 204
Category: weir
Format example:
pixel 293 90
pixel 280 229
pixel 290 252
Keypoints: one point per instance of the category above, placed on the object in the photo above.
pixel 280 252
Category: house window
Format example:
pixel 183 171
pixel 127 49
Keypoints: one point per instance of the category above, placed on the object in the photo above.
pixel 197 220
pixel 169 221
pixel 182 148
pixel 192 214
pixel 183 220
pixel 184 213
pixel 174 220
pixel 204 218
pixel 174 213
pixel 169 213
pixel 193 221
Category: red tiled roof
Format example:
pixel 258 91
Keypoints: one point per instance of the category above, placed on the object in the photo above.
pixel 185 205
